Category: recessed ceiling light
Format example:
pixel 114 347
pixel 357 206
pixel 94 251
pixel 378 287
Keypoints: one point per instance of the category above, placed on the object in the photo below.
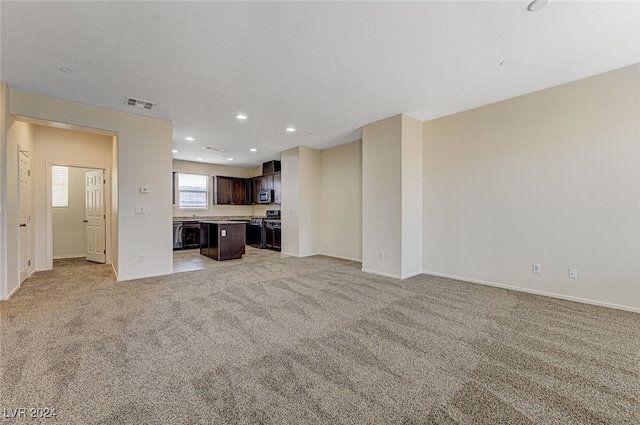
pixel 291 129
pixel 199 159
pixel 536 5
pixel 66 70
pixel 174 151
pixel 189 138
pixel 229 159
pixel 241 116
pixel 253 150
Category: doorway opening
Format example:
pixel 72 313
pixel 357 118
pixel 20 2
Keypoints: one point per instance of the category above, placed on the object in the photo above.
pixel 78 215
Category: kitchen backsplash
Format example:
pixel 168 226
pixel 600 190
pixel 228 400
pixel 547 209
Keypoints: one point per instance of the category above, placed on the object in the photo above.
pixel 225 212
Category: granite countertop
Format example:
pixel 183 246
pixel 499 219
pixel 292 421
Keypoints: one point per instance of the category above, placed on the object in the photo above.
pixel 210 218
pixel 220 222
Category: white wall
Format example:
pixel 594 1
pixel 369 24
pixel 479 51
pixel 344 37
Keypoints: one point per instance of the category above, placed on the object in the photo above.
pixel 56 146
pixel 341 201
pixel 4 123
pixel 144 160
pixel 19 137
pixel 290 164
pixel 411 177
pixel 310 201
pixel 217 170
pixel 553 178
pixel 382 196
pixel 68 229
pixel 301 202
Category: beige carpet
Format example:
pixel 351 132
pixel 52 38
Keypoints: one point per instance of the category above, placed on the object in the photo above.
pixel 313 340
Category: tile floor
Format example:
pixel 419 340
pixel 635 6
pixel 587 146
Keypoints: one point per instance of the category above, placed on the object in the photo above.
pixel 190 259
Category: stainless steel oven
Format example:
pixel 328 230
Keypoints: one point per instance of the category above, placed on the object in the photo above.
pixel 255 232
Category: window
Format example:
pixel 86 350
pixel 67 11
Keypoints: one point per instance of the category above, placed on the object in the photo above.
pixel 59 186
pixel 193 191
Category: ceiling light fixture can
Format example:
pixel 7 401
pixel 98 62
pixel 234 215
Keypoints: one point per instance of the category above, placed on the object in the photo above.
pixel 536 5
pixel 241 116
pixel 253 150
pixel 291 129
pixel 189 138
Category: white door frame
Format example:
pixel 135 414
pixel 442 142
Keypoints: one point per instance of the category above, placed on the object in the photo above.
pixel 27 224
pixel 49 208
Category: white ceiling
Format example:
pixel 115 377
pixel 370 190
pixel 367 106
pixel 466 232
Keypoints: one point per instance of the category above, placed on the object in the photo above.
pixel 326 68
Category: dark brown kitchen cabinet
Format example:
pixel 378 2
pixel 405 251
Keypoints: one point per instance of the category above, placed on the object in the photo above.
pixel 271 167
pixel 266 182
pixel 239 192
pixel 230 191
pixel 255 188
pixel 222 240
pixel 277 188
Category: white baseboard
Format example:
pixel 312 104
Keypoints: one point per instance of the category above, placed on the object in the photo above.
pixel 393 276
pixel 10 294
pixel 62 257
pixel 299 256
pixel 124 279
pixel 357 260
pixel 537 292
pixel 407 276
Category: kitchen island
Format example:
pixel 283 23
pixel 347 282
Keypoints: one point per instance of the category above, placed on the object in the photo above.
pixel 222 240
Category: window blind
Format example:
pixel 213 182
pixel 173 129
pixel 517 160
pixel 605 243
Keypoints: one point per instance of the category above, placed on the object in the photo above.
pixel 59 186
pixel 193 190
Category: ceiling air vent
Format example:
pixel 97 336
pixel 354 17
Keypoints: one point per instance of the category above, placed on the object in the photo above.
pixel 138 103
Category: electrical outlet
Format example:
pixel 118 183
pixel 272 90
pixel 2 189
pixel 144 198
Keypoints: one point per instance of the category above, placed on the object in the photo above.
pixel 573 273
pixel 142 258
pixel 535 267
pixel 381 255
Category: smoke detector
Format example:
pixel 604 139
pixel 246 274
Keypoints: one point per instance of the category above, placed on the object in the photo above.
pixel 139 103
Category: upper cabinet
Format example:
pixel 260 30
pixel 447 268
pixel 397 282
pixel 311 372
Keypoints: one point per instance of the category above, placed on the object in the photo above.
pixel 277 188
pixel 231 191
pixel 269 180
pixel 270 167
pixel 239 191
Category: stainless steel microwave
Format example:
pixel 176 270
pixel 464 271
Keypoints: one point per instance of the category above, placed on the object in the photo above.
pixel 265 196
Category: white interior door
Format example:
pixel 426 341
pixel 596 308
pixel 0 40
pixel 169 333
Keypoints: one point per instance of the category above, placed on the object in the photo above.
pixel 95 216
pixel 25 218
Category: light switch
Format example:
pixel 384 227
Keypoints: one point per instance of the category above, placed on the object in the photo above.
pixel 139 210
pixel 223 232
